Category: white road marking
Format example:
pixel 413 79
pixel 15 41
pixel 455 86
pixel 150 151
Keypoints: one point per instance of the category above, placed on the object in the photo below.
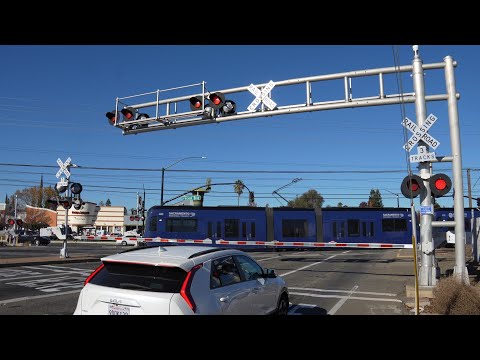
pixel 43 275
pixel 2 302
pixel 319 262
pixel 51 285
pixel 44 267
pixel 342 301
pixel 68 267
pixel 344 291
pixel 293 310
pixel 340 297
pixel 9 273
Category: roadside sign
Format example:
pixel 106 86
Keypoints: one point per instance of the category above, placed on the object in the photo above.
pixel 426 210
pixel 262 96
pixel 420 133
pixel 192 197
pixel 63 168
pixel 422 155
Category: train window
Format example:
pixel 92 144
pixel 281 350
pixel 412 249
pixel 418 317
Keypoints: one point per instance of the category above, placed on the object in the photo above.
pixel 209 226
pixel 181 225
pixel 353 227
pixel 252 229
pixel 244 230
pixel 153 223
pixel 232 228
pixel 390 225
pixel 334 229
pixel 372 227
pixel 219 229
pixel 294 228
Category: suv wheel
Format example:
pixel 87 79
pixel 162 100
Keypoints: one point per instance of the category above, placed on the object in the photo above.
pixel 124 243
pixel 283 305
pixel 37 242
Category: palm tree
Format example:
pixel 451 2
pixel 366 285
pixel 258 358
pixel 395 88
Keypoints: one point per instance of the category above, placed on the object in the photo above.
pixel 238 188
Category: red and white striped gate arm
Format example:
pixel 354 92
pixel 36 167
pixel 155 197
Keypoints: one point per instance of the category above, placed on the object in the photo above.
pixel 255 243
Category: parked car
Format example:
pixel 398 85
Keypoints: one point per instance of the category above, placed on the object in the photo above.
pixel 31 237
pixel 182 280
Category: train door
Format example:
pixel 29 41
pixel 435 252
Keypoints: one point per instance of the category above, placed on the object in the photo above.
pixel 248 230
pixel 338 230
pixel 214 230
pixel 367 231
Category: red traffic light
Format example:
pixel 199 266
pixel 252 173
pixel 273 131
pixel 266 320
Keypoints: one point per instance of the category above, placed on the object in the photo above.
pixel 132 218
pixel 440 184
pixel 67 204
pixel 111 117
pixel 217 100
pixel 196 103
pixel 128 113
pixel 11 222
pixel 19 222
pixel 412 186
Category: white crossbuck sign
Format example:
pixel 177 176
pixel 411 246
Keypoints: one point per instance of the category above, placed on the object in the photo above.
pixel 420 133
pixel 261 96
pixel 63 168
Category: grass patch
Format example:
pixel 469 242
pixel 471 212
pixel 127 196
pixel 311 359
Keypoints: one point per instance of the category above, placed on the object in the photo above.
pixel 452 297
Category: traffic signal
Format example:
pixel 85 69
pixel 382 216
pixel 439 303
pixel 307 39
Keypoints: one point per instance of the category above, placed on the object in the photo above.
pixel 229 108
pixel 196 103
pixel 412 186
pixel 440 184
pixel 217 100
pixel 19 222
pixel 251 197
pixel 132 217
pixel 128 113
pixel 76 188
pixel 66 203
pixel 111 117
pixel 11 222
pixel 78 203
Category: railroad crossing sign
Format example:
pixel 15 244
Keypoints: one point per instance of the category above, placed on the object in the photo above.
pixel 420 133
pixel 422 155
pixel 63 167
pixel 262 96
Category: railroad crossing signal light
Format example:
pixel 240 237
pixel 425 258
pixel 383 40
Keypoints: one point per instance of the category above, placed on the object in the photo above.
pixel 217 100
pixel 128 113
pixel 132 218
pixel 412 186
pixel 19 222
pixel 440 184
pixel 196 103
pixel 229 108
pixel 11 222
pixel 111 117
pixel 66 203
pixel 76 188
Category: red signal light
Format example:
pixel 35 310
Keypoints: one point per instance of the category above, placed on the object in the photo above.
pixel 412 186
pixel 132 218
pixel 19 222
pixel 217 100
pixel 111 117
pixel 128 113
pixel 440 184
pixel 195 103
pixel 11 222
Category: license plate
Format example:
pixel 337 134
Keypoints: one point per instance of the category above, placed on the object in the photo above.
pixel 118 310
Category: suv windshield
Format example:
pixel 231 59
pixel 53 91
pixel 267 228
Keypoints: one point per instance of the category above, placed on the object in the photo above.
pixel 140 277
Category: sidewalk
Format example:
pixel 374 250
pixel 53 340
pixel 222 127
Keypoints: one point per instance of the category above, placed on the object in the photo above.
pixel 53 259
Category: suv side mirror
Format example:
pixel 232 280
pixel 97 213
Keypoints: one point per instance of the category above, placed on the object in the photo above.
pixel 270 273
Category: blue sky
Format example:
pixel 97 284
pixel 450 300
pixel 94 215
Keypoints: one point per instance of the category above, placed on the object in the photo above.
pixel 54 99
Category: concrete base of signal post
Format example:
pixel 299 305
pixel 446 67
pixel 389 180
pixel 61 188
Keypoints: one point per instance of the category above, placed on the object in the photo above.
pixel 63 251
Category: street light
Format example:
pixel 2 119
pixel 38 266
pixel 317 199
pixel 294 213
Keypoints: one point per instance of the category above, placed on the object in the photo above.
pixel 169 166
pixel 398 201
pixel 284 186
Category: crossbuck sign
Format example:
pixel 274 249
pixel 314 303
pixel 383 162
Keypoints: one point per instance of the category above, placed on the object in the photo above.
pixel 420 133
pixel 63 168
pixel 261 96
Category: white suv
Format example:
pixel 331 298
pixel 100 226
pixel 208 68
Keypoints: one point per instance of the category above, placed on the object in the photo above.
pixel 180 280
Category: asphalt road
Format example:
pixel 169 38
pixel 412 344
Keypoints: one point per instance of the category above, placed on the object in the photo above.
pixel 335 282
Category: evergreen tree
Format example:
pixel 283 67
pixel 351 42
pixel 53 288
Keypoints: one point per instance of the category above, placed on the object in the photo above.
pixel 375 199
pixel 108 203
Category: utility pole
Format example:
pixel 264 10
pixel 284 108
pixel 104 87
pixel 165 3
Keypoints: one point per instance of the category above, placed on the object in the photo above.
pixel 472 219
